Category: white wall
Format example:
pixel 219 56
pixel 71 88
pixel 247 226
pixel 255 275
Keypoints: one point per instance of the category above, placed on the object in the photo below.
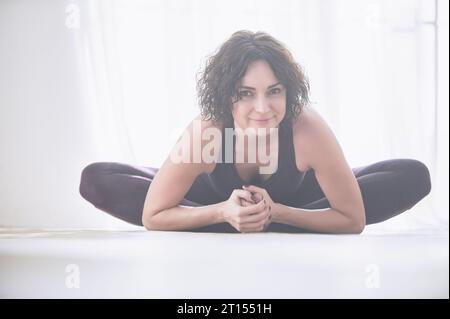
pixel 442 155
pixel 44 137
pixel 49 133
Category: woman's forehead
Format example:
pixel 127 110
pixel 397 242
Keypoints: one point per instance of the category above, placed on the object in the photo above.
pixel 258 73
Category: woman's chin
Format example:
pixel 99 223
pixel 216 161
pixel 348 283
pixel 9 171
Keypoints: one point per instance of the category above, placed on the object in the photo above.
pixel 270 123
pixel 260 127
pixel 267 127
pixel 263 130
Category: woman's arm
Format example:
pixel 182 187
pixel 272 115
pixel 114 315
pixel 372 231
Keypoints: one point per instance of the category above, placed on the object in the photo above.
pixel 184 218
pixel 161 207
pixel 251 218
pixel 171 183
pixel 324 155
pixel 327 220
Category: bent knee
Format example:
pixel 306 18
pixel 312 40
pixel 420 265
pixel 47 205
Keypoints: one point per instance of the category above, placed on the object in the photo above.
pixel 90 182
pixel 418 175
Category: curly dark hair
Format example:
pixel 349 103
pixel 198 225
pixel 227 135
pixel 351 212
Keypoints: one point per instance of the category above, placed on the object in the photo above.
pixel 217 83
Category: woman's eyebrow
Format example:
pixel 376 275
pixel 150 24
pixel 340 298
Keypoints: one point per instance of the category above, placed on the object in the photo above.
pixel 250 88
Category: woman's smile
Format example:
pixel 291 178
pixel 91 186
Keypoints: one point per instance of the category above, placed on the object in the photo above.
pixel 262 121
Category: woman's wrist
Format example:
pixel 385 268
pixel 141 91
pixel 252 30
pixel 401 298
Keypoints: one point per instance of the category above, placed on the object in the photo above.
pixel 220 212
pixel 277 212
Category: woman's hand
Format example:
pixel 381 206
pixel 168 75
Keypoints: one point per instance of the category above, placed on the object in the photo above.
pixel 260 194
pixel 245 214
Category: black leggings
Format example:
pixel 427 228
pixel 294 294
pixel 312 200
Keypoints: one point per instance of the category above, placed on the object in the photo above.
pixel 388 188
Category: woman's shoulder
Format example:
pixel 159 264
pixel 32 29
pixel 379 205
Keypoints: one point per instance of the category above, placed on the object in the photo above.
pixel 306 121
pixel 313 138
pixel 304 130
pixel 201 133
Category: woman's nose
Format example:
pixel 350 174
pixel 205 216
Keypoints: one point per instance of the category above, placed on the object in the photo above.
pixel 262 105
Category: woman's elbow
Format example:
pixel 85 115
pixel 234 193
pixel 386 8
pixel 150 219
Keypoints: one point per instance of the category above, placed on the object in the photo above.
pixel 148 221
pixel 354 224
pixel 358 226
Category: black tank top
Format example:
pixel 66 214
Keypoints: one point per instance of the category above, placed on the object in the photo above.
pixel 281 185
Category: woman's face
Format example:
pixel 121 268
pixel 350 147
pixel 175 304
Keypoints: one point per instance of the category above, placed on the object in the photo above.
pixel 262 101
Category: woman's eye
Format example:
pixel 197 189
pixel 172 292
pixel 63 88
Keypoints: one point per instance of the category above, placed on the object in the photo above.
pixel 248 93
pixel 275 91
pixel 244 93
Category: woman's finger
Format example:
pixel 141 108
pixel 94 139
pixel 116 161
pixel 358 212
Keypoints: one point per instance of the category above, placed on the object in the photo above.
pixel 258 193
pixel 251 229
pixel 255 208
pixel 258 226
pixel 246 203
pixel 254 189
pixel 257 197
pixel 240 193
pixel 255 217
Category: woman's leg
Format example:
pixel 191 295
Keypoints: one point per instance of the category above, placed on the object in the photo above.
pixel 388 188
pixel 119 189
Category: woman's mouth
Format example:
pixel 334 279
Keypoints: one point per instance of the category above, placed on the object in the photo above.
pixel 263 120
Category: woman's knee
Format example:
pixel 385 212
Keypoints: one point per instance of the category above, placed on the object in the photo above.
pixel 90 182
pixel 418 176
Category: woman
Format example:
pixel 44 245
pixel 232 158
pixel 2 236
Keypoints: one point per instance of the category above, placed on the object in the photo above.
pixel 252 84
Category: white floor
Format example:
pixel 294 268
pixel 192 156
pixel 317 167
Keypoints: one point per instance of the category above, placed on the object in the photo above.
pixel 141 264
